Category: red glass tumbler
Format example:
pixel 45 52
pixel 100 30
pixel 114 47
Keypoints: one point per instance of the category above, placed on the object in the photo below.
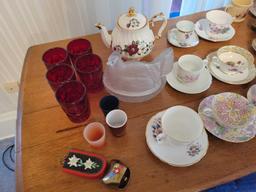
pixel 55 56
pixel 72 96
pixel 89 70
pixel 78 47
pixel 59 74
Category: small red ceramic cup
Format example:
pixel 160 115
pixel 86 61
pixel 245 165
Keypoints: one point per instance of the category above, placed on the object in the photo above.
pixel 116 120
pixel 94 134
pixel 59 74
pixel 89 70
pixel 77 48
pixel 72 96
pixel 55 56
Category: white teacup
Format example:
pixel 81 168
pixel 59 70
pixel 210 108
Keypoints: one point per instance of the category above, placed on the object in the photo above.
pixel 239 9
pixel 218 22
pixel 180 125
pixel 185 30
pixel 189 68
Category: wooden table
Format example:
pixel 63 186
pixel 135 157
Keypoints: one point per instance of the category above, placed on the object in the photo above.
pixel 44 133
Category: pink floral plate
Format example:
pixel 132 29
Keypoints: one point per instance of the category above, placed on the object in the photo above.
pixel 178 155
pixel 235 135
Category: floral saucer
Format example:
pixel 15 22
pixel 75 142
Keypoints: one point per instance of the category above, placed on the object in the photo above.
pixel 200 28
pixel 178 155
pixel 202 84
pixel 192 41
pixel 227 134
pixel 236 78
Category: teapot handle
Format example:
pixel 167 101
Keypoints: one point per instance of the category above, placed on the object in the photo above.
pixel 164 24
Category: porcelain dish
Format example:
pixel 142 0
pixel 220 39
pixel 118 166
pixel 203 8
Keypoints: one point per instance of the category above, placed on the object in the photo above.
pixel 190 42
pixel 172 153
pixel 201 30
pixel 235 135
pixel 132 36
pixel 231 110
pixel 235 78
pixel 200 85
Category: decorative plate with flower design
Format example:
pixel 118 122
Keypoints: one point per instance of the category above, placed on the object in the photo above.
pixel 173 153
pixel 226 134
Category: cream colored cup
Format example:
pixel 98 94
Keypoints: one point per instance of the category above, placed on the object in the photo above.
pixel 239 9
pixel 180 125
pixel 189 68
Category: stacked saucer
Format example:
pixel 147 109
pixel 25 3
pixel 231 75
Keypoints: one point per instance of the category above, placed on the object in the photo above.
pixel 228 116
pixel 174 141
pixel 216 26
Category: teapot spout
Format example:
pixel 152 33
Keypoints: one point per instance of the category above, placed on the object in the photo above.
pixel 106 37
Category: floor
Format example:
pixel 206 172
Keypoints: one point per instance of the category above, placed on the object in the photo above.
pixel 7 177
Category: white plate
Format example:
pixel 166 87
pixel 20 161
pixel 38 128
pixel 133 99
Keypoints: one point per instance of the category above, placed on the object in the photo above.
pixel 201 25
pixel 202 84
pixel 175 154
pixel 191 42
pixel 234 79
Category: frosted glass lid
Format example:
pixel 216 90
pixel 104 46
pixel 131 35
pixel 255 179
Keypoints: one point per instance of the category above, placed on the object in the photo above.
pixel 132 20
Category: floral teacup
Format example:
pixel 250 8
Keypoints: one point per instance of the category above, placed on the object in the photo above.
pixel 189 68
pixel 230 110
pixel 185 30
pixel 218 22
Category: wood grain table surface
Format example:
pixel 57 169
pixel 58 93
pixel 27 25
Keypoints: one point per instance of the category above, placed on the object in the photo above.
pixel 44 133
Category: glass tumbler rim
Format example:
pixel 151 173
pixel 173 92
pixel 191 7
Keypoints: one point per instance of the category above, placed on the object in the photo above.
pixel 55 48
pixel 82 53
pixel 65 84
pixel 58 65
pixel 88 72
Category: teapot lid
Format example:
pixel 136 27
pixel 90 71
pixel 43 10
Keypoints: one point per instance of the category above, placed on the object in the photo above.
pixel 132 20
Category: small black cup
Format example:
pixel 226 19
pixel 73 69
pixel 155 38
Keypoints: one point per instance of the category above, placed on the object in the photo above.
pixel 109 103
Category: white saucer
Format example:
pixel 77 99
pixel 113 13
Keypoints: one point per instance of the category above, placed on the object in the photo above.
pixel 174 154
pixel 202 84
pixel 191 42
pixel 234 79
pixel 201 25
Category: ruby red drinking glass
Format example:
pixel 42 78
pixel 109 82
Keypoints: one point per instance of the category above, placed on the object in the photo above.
pixel 78 47
pixel 55 56
pixel 72 96
pixel 59 74
pixel 89 70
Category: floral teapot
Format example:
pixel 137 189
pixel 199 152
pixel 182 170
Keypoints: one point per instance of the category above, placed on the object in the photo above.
pixel 132 37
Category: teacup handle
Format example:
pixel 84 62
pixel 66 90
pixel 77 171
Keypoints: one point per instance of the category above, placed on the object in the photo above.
pixel 208 112
pixel 205 62
pixel 163 26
